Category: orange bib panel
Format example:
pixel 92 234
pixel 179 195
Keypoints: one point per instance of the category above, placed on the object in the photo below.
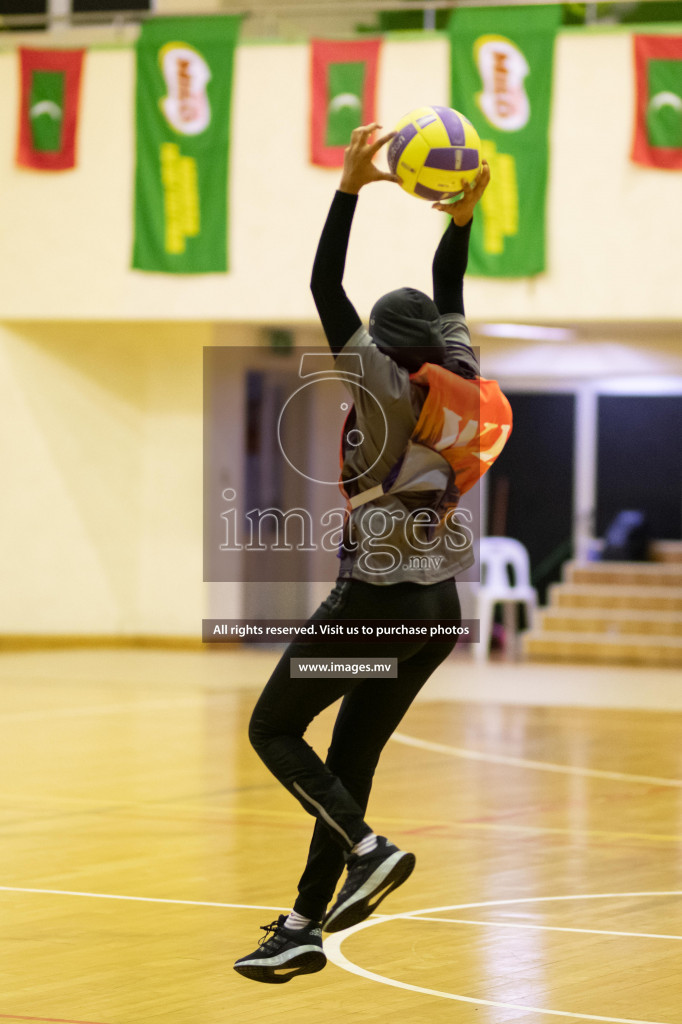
pixel 467 421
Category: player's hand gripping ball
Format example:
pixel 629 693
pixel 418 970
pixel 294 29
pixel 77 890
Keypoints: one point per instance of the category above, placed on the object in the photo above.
pixel 434 150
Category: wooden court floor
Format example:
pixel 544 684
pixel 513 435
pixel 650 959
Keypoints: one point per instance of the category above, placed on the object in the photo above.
pixel 144 844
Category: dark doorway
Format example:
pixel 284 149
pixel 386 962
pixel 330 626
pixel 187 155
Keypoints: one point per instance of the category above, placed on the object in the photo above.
pixel 639 461
pixel 530 486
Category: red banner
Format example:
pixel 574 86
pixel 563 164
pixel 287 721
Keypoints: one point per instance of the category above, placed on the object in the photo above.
pixel 658 102
pixel 343 95
pixel 48 110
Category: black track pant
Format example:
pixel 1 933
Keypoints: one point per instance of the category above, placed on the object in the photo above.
pixel 336 792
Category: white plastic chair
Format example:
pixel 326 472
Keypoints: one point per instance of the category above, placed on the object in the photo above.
pixel 505 580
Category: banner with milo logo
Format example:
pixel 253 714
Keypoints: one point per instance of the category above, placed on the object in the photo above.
pixel 501 79
pixel 183 103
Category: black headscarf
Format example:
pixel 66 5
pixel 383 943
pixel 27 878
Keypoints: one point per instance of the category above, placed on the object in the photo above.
pixel 404 324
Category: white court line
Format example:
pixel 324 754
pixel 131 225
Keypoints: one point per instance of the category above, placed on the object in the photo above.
pixel 336 957
pixel 410 741
pixel 535 899
pixel 540 766
pixel 539 927
pixel 141 899
pixel 333 943
pixel 376 919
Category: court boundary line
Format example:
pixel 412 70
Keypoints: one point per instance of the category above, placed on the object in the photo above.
pixel 539 899
pixel 161 704
pixel 376 918
pixel 334 941
pixel 522 762
pixel 140 899
pixel 542 927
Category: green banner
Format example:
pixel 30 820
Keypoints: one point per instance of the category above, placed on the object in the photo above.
pixel 501 79
pixel 183 103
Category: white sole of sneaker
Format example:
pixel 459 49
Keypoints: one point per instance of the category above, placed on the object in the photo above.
pixel 278 970
pixel 391 873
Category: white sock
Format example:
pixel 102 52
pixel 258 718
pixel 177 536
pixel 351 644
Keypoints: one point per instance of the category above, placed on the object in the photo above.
pixel 366 845
pixel 296 921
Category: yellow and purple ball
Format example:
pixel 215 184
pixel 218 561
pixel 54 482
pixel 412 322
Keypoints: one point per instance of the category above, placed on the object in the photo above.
pixel 433 151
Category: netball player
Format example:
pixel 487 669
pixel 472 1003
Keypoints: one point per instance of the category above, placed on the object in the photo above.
pixel 386 474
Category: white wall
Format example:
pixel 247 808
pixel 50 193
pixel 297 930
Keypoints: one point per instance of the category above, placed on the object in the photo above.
pixel 100 454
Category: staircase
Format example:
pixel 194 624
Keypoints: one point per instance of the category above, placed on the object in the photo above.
pixel 617 613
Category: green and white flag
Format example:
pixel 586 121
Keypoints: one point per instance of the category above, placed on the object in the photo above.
pixel 501 79
pixel 48 108
pixel 343 83
pixel 658 102
pixel 183 104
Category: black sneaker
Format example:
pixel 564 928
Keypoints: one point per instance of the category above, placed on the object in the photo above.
pixel 283 953
pixel 371 877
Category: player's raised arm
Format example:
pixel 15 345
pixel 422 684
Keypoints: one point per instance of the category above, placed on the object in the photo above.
pixel 452 254
pixel 337 313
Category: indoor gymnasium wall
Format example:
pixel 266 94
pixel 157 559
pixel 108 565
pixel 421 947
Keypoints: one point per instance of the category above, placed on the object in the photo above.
pixel 102 477
pixel 100 367
pixel 66 239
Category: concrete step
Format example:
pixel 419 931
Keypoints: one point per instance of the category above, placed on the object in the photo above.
pixel 577 595
pixel 666 551
pixel 612 621
pixel 598 648
pixel 624 574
